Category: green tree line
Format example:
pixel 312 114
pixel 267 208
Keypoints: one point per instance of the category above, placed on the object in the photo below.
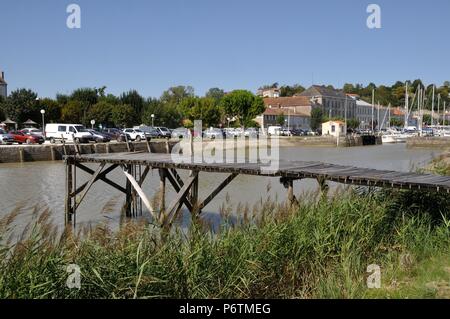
pixel 177 106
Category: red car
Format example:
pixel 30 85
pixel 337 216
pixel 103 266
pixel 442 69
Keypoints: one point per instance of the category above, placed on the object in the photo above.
pixel 21 138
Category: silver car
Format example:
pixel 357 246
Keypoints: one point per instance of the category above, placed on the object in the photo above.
pixel 5 138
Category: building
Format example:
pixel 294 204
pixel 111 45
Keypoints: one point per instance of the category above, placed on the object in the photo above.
pixel 334 103
pixel 366 113
pixel 333 128
pixel 295 110
pixel 270 93
pixel 3 85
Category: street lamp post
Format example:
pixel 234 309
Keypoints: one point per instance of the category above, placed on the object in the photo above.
pixel 153 120
pixel 92 124
pixel 43 121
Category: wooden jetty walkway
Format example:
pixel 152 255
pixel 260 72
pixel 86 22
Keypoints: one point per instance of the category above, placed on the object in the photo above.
pixel 136 166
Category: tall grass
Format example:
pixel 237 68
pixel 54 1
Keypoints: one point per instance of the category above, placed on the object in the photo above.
pixel 319 249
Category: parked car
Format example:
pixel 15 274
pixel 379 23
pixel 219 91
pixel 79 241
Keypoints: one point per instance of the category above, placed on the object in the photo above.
pixel 274 130
pixel 285 132
pixel 69 132
pixel 32 131
pixel 135 134
pixel 213 133
pixel 181 133
pixel 149 131
pixel 21 138
pixel 5 138
pixel 99 136
pixel 163 131
pixel 251 132
pixel 298 132
pixel 115 134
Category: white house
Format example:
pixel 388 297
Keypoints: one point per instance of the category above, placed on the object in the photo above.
pixel 333 128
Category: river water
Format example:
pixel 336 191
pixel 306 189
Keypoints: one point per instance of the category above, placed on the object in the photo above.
pixel 26 186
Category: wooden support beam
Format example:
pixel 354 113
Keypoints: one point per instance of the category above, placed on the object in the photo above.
pixel 128 198
pixel 177 177
pixel 77 147
pixel 176 186
pixel 68 197
pixel 102 178
pixel 89 185
pixel 178 199
pixel 147 141
pixel 141 193
pixel 162 189
pixel 218 189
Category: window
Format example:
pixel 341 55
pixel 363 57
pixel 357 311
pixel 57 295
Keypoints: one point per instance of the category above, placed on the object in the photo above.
pixel 71 129
pixel 333 128
pixel 62 128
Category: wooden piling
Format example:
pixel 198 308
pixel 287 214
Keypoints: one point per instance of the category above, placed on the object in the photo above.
pixel 68 197
pixel 162 187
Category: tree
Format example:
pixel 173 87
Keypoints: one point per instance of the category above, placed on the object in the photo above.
pixel 396 122
pixel 176 94
pixel 242 104
pixel 352 123
pixel 280 119
pixel 20 105
pixel 291 90
pixel 216 94
pixel 317 118
pixel 101 113
pixel 165 114
pixel 52 110
pixel 86 97
pixel 136 101
pixel 269 86
pixel 122 115
pixel 72 112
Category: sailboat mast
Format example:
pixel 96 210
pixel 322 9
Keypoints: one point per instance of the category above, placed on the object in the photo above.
pixel 432 108
pixel 406 105
pixel 373 105
pixel 378 117
pixel 444 112
pixel 439 109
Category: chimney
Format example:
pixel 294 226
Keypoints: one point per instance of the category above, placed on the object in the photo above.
pixel 3 75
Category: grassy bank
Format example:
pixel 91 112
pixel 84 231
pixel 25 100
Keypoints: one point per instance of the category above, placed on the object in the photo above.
pixel 318 250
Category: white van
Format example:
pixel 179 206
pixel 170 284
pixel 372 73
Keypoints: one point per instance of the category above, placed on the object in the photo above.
pixel 274 130
pixel 70 132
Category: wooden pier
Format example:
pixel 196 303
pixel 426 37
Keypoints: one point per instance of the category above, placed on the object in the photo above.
pixel 136 166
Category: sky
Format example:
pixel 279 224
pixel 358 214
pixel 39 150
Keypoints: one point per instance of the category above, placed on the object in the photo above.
pixel 233 44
